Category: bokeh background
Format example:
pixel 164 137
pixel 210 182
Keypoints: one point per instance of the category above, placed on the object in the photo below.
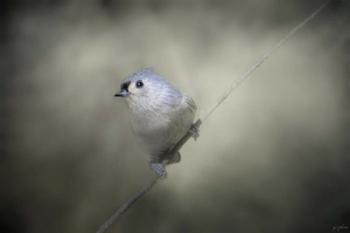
pixel 273 158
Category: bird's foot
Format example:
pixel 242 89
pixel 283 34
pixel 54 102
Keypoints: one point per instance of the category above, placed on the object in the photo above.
pixel 159 169
pixel 194 130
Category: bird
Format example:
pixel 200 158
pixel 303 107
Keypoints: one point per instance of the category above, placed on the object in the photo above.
pixel 160 115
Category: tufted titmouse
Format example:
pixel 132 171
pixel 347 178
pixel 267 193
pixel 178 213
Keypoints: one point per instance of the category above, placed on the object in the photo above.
pixel 160 115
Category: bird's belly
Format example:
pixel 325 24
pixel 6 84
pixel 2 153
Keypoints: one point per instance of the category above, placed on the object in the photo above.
pixel 158 136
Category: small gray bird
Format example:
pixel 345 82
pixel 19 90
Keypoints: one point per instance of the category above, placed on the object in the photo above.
pixel 160 115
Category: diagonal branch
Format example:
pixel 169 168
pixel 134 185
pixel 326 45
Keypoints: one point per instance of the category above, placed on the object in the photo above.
pixel 125 206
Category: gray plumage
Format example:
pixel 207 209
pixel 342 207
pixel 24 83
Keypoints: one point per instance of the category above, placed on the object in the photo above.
pixel 160 115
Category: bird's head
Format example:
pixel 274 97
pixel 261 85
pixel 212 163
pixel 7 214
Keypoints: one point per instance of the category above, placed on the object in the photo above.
pixel 146 88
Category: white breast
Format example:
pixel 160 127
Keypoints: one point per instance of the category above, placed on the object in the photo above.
pixel 159 130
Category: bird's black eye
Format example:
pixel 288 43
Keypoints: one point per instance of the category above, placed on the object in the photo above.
pixel 139 84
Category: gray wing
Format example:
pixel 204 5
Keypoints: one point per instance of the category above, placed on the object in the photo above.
pixel 191 104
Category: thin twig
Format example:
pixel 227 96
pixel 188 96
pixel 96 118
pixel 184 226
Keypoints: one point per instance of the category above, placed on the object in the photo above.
pixel 125 206
pixel 133 199
pixel 235 84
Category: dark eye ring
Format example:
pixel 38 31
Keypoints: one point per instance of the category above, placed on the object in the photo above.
pixel 139 84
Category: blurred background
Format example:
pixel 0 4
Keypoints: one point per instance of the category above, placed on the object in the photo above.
pixel 273 158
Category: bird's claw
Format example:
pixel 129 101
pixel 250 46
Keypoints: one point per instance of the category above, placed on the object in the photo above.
pixel 159 169
pixel 194 130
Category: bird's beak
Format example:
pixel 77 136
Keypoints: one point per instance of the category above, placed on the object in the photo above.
pixel 122 93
